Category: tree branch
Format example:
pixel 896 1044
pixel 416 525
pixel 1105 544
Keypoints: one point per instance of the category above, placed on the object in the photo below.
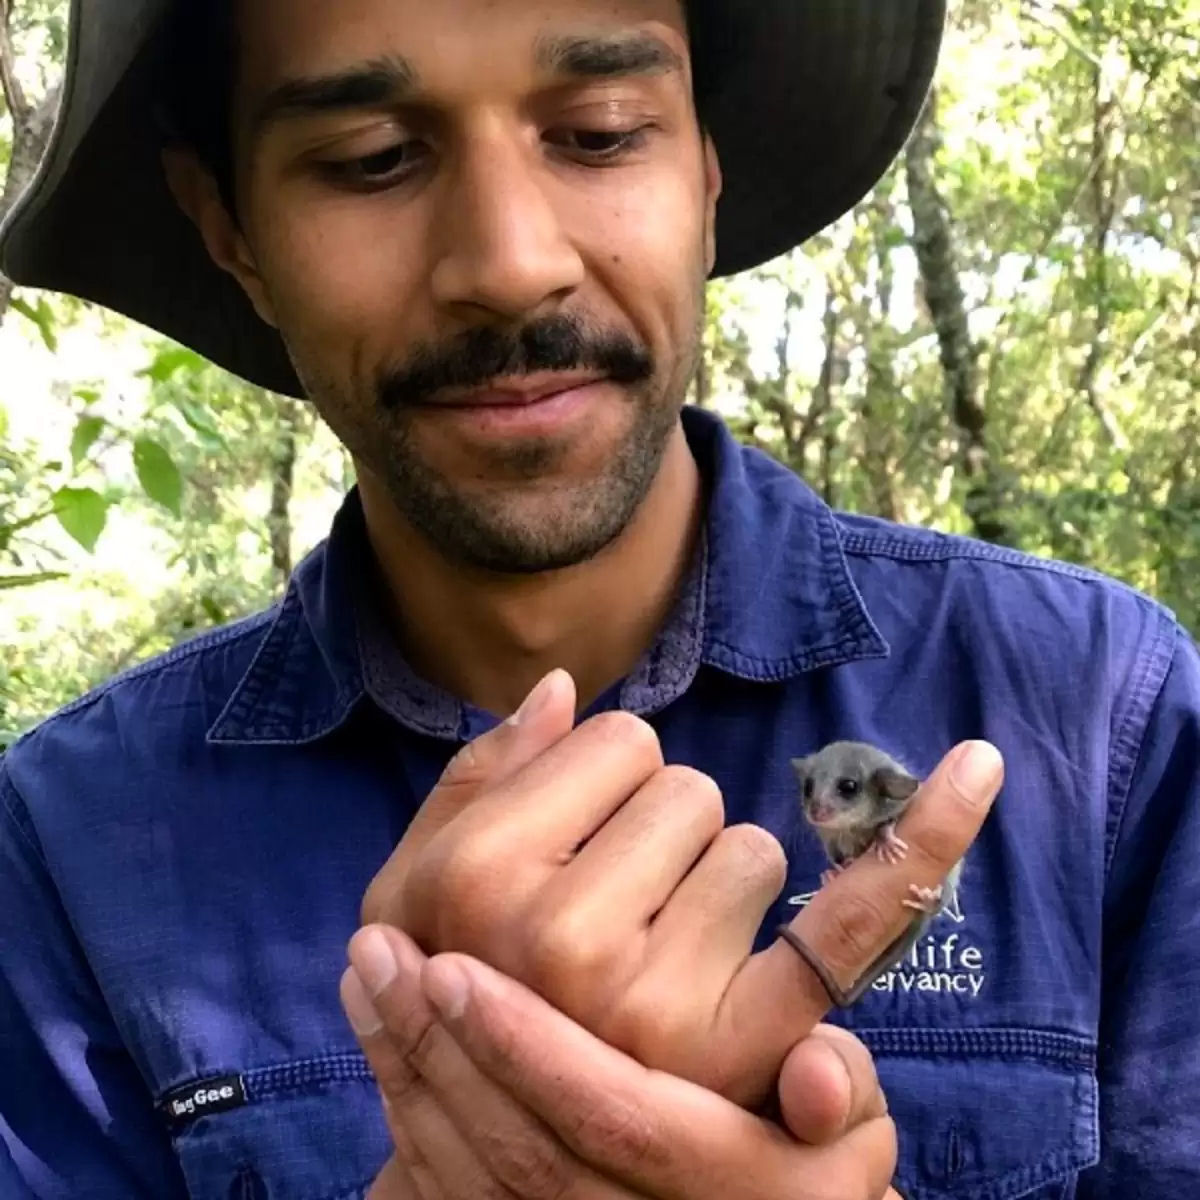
pixel 822 400
pixel 14 94
pixel 1040 16
pixel 1104 189
pixel 933 242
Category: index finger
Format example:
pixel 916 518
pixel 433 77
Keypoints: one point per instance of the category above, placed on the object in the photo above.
pixel 856 917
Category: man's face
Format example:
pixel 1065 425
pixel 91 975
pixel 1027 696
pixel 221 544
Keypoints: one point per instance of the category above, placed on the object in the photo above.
pixel 449 208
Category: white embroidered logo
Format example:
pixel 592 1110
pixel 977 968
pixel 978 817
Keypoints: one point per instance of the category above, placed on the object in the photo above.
pixel 941 963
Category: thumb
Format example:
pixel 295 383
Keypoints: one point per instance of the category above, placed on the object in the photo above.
pixel 544 718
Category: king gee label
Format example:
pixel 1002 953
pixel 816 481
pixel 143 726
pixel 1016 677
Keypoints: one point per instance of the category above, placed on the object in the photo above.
pixel 203 1098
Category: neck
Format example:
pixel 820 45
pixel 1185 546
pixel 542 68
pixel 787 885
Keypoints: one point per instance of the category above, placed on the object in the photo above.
pixel 488 639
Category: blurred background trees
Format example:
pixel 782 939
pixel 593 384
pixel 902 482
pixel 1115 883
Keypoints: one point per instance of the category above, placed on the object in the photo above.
pixel 1001 340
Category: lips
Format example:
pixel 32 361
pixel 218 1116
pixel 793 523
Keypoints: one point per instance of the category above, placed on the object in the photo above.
pixel 515 397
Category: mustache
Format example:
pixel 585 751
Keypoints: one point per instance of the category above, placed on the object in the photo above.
pixel 477 356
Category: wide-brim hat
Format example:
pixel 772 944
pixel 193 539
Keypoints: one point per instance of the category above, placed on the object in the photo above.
pixel 816 99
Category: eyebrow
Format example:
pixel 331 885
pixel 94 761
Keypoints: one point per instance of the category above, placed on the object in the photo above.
pixel 371 83
pixel 392 78
pixel 602 56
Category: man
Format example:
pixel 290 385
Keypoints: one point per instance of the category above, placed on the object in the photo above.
pixel 475 234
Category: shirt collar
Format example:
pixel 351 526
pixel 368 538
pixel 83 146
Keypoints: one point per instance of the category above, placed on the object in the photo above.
pixel 768 597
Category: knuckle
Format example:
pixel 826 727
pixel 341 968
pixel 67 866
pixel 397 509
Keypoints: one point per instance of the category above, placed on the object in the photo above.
pixel 451 897
pixel 567 950
pixel 858 927
pixel 701 791
pixel 650 1025
pixel 463 872
pixel 761 850
pixel 527 1163
pixel 421 1053
pixel 941 843
pixel 394 1076
pixel 618 1133
pixel 630 731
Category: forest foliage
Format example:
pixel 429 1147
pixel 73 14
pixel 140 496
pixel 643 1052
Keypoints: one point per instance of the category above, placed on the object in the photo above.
pixel 1001 340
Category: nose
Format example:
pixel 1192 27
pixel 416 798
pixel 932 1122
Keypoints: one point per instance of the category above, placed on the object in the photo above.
pixel 502 244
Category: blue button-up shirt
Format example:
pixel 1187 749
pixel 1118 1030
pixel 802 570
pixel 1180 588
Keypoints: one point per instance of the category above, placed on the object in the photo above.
pixel 183 853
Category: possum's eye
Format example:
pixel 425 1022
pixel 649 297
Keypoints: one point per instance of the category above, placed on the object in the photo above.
pixel 808 788
pixel 848 788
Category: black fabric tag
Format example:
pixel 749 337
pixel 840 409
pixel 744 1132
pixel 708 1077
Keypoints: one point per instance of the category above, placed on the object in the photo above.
pixel 196 1100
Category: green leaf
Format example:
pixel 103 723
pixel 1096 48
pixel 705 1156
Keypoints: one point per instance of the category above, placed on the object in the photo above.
pixel 167 362
pixel 83 513
pixel 86 433
pixel 213 610
pixel 42 317
pixel 87 395
pixel 158 474
pixel 8 582
pixel 199 420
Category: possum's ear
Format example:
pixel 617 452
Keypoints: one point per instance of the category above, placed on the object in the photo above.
pixel 895 785
pixel 800 767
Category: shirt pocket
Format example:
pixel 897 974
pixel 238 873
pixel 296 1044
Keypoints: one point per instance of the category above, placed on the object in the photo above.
pixel 310 1129
pixel 989 1114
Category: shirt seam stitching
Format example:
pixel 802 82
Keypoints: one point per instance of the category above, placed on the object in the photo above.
pixel 1129 739
pixel 1040 1045
pixel 248 691
pixel 864 546
pixel 785 666
pixel 11 795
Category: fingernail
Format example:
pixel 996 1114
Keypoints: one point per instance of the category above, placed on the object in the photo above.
pixel 446 988
pixel 374 961
pixel 363 1016
pixel 977 771
pixel 536 700
pixel 843 1083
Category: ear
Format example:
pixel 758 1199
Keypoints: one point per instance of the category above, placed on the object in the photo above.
pixel 895 785
pixel 800 766
pixel 712 193
pixel 195 191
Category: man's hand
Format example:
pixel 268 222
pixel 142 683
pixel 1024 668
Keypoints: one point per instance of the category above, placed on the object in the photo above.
pixel 490 1092
pixel 575 861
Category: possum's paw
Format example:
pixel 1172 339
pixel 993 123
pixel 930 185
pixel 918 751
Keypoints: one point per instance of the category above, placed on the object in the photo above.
pixel 888 847
pixel 927 900
pixel 827 877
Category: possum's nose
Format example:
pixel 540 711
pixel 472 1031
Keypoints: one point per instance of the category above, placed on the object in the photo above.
pixel 820 812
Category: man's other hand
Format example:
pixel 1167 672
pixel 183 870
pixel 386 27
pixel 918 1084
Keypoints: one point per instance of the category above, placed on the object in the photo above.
pixel 490 1092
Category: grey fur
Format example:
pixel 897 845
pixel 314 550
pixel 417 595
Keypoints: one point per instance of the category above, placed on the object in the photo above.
pixel 852 794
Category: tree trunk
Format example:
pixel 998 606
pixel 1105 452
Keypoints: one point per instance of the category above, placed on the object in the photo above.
pixel 31 124
pixel 878 430
pixel 822 401
pixel 933 243
pixel 283 468
pixel 1104 182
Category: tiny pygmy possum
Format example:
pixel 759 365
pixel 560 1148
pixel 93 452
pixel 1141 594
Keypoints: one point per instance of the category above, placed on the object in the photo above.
pixel 852 794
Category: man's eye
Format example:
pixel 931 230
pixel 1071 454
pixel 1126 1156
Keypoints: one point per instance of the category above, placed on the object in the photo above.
pixel 375 170
pixel 599 144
